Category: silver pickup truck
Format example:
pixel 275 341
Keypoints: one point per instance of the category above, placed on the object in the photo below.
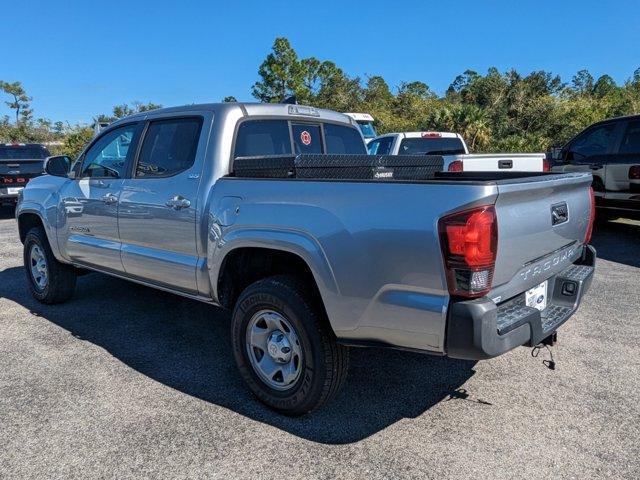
pixel 255 208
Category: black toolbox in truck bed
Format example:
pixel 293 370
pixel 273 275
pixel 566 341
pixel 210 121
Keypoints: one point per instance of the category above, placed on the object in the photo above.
pixel 347 167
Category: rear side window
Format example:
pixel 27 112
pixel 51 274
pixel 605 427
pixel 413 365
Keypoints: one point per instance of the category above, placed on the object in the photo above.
pixel 262 137
pixel 631 140
pixel 431 146
pixel 169 147
pixel 595 142
pixel 382 146
pixel 306 138
pixel 22 153
pixel 341 139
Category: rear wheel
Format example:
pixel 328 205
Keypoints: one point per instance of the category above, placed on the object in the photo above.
pixel 284 347
pixel 49 280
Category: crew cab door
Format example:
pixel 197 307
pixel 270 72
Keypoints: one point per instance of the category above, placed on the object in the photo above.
pixel 623 170
pixel 157 215
pixel 89 204
pixel 591 152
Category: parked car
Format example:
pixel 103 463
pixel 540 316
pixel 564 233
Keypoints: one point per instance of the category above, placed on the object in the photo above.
pixel 610 151
pixel 19 163
pixel 276 213
pixel 455 152
pixel 365 122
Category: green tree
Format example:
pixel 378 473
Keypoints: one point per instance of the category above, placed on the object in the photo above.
pixel 124 110
pixel 75 141
pixel 20 101
pixel 582 83
pixel 282 74
pixel 605 86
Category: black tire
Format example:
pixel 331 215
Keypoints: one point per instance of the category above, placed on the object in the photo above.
pixel 61 281
pixel 325 362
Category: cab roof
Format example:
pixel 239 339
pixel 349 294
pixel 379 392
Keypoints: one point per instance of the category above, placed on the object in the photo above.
pixel 249 109
pixel 424 134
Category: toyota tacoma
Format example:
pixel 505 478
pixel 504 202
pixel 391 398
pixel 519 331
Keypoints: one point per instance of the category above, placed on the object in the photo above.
pixel 277 213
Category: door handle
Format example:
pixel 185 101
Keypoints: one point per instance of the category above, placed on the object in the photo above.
pixel 178 202
pixel 595 167
pixel 110 199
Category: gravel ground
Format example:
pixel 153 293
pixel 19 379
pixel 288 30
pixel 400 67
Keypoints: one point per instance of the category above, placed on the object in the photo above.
pixel 126 382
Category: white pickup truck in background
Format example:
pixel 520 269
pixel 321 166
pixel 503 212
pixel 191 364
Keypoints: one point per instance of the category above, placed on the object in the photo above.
pixel 455 153
pixel 365 124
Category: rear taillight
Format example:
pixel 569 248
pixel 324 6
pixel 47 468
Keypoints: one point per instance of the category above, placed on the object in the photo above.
pixel 12 180
pixel 546 165
pixel 592 216
pixel 469 243
pixel 456 166
pixel 634 172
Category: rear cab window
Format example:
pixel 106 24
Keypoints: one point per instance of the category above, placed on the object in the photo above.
pixel 341 139
pixel 306 138
pixel 262 137
pixel 431 146
pixel 23 152
pixel 284 137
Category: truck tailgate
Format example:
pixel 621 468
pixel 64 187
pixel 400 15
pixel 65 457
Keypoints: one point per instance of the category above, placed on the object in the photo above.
pixel 541 223
pixel 517 162
pixel 19 171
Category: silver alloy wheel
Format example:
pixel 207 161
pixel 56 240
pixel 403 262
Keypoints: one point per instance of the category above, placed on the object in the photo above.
pixel 39 269
pixel 274 349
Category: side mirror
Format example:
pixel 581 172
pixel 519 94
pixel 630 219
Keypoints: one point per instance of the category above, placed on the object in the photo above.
pixel 57 166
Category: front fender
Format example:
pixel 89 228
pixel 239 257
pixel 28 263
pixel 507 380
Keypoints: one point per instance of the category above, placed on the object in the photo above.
pixel 48 215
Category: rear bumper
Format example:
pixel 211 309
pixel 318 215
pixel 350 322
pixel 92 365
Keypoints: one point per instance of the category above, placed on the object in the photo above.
pixel 480 329
pixel 6 197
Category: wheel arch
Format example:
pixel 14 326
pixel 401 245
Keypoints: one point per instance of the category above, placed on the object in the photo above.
pixel 244 257
pixel 29 218
pixel 27 221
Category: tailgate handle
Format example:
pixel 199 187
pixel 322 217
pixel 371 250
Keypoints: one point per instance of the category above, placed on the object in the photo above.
pixel 505 163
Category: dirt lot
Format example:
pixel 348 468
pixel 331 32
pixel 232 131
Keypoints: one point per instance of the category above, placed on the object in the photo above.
pixel 125 381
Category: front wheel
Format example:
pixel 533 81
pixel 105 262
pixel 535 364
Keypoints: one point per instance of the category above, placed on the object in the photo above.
pixel 49 280
pixel 284 347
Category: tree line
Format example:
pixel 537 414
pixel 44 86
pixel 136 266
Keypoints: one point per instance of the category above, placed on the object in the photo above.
pixel 61 137
pixel 495 111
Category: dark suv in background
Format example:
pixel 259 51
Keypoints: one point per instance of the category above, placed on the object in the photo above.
pixel 610 150
pixel 19 163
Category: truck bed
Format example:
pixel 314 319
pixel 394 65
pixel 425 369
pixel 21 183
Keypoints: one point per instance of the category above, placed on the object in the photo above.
pixel 381 237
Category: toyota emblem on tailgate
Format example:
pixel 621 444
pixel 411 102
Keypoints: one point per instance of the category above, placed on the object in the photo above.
pixel 559 213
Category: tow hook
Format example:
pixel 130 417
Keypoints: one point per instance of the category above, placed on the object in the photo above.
pixel 546 342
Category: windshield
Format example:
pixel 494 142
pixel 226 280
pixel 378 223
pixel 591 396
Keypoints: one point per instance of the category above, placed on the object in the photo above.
pixel 431 146
pixel 22 152
pixel 367 129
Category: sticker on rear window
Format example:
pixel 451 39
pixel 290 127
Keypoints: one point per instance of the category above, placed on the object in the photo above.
pixel 305 137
